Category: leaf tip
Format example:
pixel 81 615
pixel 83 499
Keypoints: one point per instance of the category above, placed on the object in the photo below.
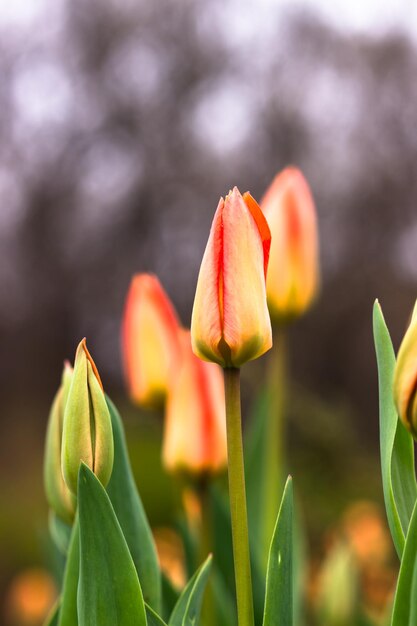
pixel 377 313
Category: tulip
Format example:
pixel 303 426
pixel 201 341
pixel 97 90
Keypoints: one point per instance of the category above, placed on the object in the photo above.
pixel 293 273
pixel 59 497
pixel 230 321
pixel 405 379
pixel 150 340
pixel 195 420
pixel 87 431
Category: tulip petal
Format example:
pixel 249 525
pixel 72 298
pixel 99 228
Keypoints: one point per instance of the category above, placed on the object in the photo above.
pixel 195 421
pixel 246 323
pixel 76 435
pixel 405 377
pixel 206 326
pixel 150 343
pixel 293 273
pixel 103 434
pixel 262 225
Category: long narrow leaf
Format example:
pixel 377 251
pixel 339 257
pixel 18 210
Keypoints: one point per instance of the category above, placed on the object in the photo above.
pixel 170 596
pixel 279 578
pixel 187 610
pixel 129 510
pixel 404 613
pixel 109 592
pixel 68 609
pixel 397 450
pixel 152 618
pixel 413 609
pixel 53 617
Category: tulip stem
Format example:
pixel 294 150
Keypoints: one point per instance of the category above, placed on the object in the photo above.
pixel 275 442
pixel 237 496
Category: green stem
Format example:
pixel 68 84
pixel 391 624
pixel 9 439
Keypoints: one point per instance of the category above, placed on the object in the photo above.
pixel 237 495
pixel 275 434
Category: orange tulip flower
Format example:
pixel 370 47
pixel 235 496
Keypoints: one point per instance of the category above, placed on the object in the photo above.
pixel 195 420
pixel 230 321
pixel 293 273
pixel 149 339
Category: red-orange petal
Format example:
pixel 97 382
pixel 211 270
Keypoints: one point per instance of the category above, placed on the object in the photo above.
pixel 195 420
pixel 206 322
pixel 246 322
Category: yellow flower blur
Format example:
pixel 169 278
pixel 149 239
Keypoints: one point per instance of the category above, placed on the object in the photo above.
pixel 149 340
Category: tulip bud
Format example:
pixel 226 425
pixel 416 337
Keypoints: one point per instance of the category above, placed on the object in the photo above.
pixel 87 432
pixel 230 321
pixel 195 419
pixel 405 379
pixel 150 340
pixel 293 273
pixel 59 497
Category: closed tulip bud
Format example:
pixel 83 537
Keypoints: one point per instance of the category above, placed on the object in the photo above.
pixel 230 321
pixel 293 274
pixel 59 497
pixel 150 340
pixel 195 420
pixel 405 379
pixel 87 432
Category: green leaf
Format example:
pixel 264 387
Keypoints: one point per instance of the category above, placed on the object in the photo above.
pixel 223 552
pixel 109 591
pixel 68 615
pixel 189 543
pixel 300 564
pixel 263 470
pixel 129 510
pixel 255 436
pixel 413 608
pixel 222 538
pixel 152 618
pixel 53 617
pixel 60 532
pixel 279 581
pixel 187 610
pixel 224 601
pixel 397 449
pixel 404 612
pixel 169 596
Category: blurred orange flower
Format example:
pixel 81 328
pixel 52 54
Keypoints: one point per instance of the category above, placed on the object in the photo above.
pixel 149 340
pixel 230 322
pixel 195 420
pixel 171 556
pixel 293 274
pixel 30 598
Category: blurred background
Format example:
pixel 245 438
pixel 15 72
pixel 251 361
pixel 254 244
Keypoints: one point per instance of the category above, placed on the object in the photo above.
pixel 121 124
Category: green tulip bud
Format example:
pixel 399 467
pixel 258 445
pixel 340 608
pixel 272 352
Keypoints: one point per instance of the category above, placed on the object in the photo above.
pixel 59 497
pixel 87 432
pixel 405 378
